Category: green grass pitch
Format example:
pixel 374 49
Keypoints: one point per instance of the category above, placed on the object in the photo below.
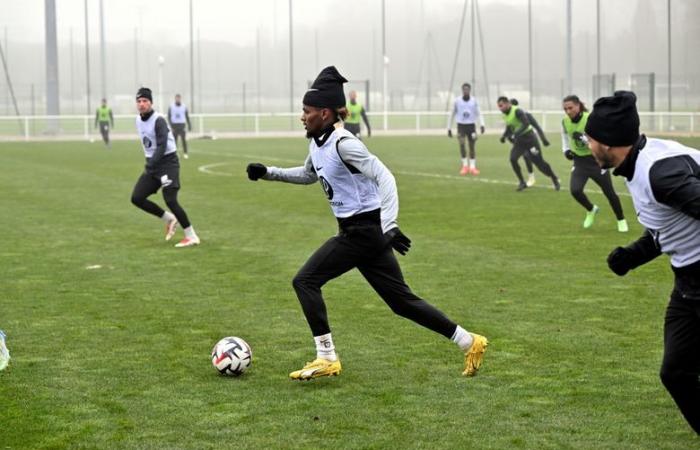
pixel 118 356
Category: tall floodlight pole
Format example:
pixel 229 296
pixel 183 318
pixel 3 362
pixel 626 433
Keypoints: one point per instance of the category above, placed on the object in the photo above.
pixel 103 56
pixel 136 57
pixel 52 105
pixel 161 63
pixel 529 53
pixel 72 74
pixel 473 41
pixel 669 54
pixel 597 44
pixel 291 63
pixel 569 70
pixel 87 58
pixel 385 62
pixel 257 67
pixel 191 60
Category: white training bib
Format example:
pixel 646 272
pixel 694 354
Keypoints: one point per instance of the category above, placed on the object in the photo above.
pixel 147 133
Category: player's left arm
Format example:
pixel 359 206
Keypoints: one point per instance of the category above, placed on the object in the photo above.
pixel 675 182
pixel 481 116
pixel 161 142
pixel 187 118
pixel 366 120
pixel 353 152
pixel 538 129
pixel 111 118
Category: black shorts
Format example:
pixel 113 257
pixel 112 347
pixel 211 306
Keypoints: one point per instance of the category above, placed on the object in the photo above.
pixel 467 129
pixel 354 128
pixel 166 176
pixel 179 130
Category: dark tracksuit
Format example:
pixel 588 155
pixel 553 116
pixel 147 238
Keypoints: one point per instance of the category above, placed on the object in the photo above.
pixel 675 183
pixel 158 166
pixel 525 142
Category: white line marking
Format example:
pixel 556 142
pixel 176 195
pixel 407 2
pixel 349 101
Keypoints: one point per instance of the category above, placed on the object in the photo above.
pixel 207 169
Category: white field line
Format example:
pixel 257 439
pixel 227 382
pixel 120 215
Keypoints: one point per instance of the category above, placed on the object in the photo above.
pixel 480 179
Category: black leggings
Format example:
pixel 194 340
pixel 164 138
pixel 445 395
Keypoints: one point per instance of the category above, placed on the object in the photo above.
pixel 681 364
pixel 362 246
pixel 148 185
pixel 528 147
pixel 585 167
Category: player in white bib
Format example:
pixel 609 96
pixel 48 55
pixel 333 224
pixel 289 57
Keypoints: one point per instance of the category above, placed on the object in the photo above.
pixel 162 170
pixel 466 112
pixel 362 194
pixel 178 117
pixel 663 178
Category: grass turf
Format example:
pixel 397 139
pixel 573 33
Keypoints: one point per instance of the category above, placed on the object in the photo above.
pixel 118 356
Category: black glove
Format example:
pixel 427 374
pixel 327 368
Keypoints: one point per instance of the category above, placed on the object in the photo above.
pixel 255 171
pixel 449 133
pixel 483 130
pixel 545 142
pixel 399 241
pixel 569 155
pixel 369 132
pixel 621 261
pixel 579 137
pixel 503 139
pixel 512 138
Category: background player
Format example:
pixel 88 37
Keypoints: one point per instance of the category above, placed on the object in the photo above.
pixel 466 111
pixel 178 116
pixel 355 112
pixel 105 119
pixel 543 138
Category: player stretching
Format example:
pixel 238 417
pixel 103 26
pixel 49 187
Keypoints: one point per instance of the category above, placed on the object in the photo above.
pixel 362 195
pixel 162 170
pixel 466 110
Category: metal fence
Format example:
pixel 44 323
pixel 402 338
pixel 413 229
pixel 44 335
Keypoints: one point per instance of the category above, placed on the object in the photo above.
pixel 81 127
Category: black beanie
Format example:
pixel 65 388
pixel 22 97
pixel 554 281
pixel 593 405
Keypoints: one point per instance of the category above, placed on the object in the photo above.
pixel 327 90
pixel 145 93
pixel 614 120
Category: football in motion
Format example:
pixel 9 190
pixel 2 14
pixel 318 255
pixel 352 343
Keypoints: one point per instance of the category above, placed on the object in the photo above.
pixel 231 356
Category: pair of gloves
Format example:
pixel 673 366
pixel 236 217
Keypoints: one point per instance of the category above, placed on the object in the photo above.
pixel 394 237
pixel 449 131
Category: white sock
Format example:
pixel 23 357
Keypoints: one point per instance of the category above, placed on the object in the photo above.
pixel 462 338
pixel 189 232
pixel 167 216
pixel 472 163
pixel 465 162
pixel 325 348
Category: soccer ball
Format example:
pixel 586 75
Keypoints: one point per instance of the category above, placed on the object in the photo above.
pixel 231 356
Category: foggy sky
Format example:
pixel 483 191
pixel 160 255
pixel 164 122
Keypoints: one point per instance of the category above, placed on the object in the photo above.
pixel 348 35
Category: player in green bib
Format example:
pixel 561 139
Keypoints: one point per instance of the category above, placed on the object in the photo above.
pixel 521 133
pixel 105 120
pixel 575 148
pixel 356 112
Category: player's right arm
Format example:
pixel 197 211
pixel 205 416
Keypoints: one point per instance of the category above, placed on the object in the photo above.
pixel 449 119
pixel 296 175
pixel 97 117
pixel 565 145
pixel 623 259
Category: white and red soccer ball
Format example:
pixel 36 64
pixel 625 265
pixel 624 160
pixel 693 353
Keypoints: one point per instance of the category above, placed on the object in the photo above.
pixel 231 356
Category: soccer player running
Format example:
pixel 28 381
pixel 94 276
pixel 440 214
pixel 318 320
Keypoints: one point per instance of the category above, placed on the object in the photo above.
pixel 178 116
pixel 466 111
pixel 355 112
pixel 540 132
pixel 162 170
pixel 520 132
pixel 362 194
pixel 663 178
pixel 575 148
pixel 105 120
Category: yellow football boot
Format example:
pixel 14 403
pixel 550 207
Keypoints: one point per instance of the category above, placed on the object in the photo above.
pixel 317 368
pixel 475 355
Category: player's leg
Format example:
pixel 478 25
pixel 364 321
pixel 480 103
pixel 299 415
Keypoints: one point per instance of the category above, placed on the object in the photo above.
pixel 515 153
pixel 535 154
pixel 471 138
pixel 170 182
pixel 461 139
pixel 353 128
pixel 104 131
pixel 336 256
pixel 384 275
pixel 604 180
pixel 579 178
pixel 145 187
pixel 530 170
pixel 680 370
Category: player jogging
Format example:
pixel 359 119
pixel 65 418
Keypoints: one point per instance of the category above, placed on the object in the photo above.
pixel 466 111
pixel 663 178
pixel 105 119
pixel 162 170
pixel 362 194
pixel 575 148
pixel 543 138
pixel 178 116
pixel 355 112
pixel 520 132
